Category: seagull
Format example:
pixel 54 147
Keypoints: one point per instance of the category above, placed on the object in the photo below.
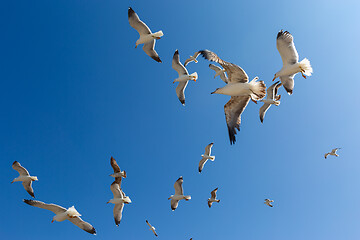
pixel 63 214
pixel 213 198
pixel 291 64
pixel 117 172
pixel 192 59
pixel 146 36
pixel 206 157
pixel 151 228
pixel 183 78
pixel 119 200
pixel 268 202
pixel 179 194
pixel 24 177
pixel 240 90
pixel 271 99
pixel 333 153
pixel 219 71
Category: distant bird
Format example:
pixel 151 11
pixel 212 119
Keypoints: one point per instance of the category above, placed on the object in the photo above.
pixel 192 59
pixel 146 36
pixel 206 157
pixel 183 78
pixel 179 194
pixel 63 214
pixel 333 153
pixel 271 99
pixel 151 228
pixel 119 200
pixel 24 177
pixel 213 198
pixel 219 71
pixel 291 64
pixel 268 202
pixel 117 171
pixel 240 90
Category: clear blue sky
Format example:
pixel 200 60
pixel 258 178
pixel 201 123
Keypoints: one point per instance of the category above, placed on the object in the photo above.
pixel 74 92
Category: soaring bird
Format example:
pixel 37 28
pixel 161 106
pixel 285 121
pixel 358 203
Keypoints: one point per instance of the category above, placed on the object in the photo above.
pixel 117 171
pixel 213 198
pixel 179 194
pixel 63 214
pixel 333 153
pixel 146 36
pixel 24 177
pixel 291 65
pixel 191 59
pixel 268 202
pixel 151 227
pixel 271 99
pixel 183 78
pixel 219 71
pixel 119 200
pixel 240 90
pixel 206 157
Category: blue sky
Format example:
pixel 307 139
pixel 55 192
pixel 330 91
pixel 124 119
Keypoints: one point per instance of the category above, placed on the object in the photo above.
pixel 74 92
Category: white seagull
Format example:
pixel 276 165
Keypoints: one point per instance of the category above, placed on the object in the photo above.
pixel 151 228
pixel 291 64
pixel 183 78
pixel 146 36
pixel 213 198
pixel 271 99
pixel 119 200
pixel 179 194
pixel 219 71
pixel 268 202
pixel 117 171
pixel 63 214
pixel 24 177
pixel 240 90
pixel 192 59
pixel 333 153
pixel 206 157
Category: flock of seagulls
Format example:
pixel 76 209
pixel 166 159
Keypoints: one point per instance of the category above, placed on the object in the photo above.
pixel 238 87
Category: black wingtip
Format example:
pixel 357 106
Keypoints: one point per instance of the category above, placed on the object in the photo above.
pixel 232 133
pixel 130 11
pixel 14 162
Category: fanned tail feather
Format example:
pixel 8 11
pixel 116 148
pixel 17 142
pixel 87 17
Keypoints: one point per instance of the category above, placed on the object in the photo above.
pixel 306 66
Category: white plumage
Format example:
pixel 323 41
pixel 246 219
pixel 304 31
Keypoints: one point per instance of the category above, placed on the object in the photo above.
pixel 179 194
pixel 119 200
pixel 192 59
pixel 24 177
pixel 206 156
pixel 213 198
pixel 271 99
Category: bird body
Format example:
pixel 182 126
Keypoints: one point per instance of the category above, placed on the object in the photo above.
pixel 236 89
pixel 185 78
pixel 144 38
pixel 117 172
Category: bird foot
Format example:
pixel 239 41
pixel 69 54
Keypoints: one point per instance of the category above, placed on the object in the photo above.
pixel 303 75
pixel 158 37
pixel 274 78
pixel 254 101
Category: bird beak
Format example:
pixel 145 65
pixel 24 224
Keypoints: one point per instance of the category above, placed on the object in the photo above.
pixel 12 182
pixel 52 221
pixel 107 202
pixel 196 61
pixel 136 47
pixel 274 78
pixel 158 37
pixel 169 198
pixel 213 92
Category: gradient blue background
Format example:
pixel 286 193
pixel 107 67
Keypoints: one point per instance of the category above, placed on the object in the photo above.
pixel 74 92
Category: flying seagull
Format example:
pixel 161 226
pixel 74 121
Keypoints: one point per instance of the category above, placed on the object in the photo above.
pixel 63 214
pixel 24 177
pixel 206 157
pixel 271 99
pixel 219 71
pixel 146 36
pixel 268 202
pixel 240 90
pixel 213 198
pixel 179 194
pixel 183 78
pixel 291 64
pixel 119 200
pixel 333 153
pixel 151 228
pixel 192 59
pixel 117 171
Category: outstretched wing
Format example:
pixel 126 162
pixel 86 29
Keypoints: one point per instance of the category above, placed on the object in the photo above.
pixel 208 149
pixel 118 209
pixel 51 207
pixel 177 65
pixel 202 164
pixel 286 47
pixel 178 186
pixel 213 193
pixel 136 23
pixel 180 91
pixel 28 187
pixel 114 165
pixel 22 171
pixel 149 49
pixel 83 225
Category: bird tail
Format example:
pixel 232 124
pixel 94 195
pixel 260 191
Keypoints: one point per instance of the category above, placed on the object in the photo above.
pixel 258 89
pixel 212 158
pixel 158 34
pixel 187 197
pixel 34 178
pixel 194 76
pixel 306 67
pixel 277 103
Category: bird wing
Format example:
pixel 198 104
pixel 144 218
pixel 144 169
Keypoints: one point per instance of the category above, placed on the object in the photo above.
pixel 208 149
pixel 235 73
pixel 147 222
pixel 272 90
pixel 118 209
pixel 263 110
pixel 334 150
pixel 149 49
pixel 136 23
pixel 233 110
pixel 174 204
pixel 52 207
pixel 153 230
pixel 115 189
pixel 286 47
pixel 22 171
pixel 178 186
pixel 83 225
pixel 326 154
pixel 202 164
pixel 177 65
pixel 213 193
pixel 222 75
pixel 27 185
pixel 288 83
pixel 180 91
pixel 210 203
pixel 114 165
